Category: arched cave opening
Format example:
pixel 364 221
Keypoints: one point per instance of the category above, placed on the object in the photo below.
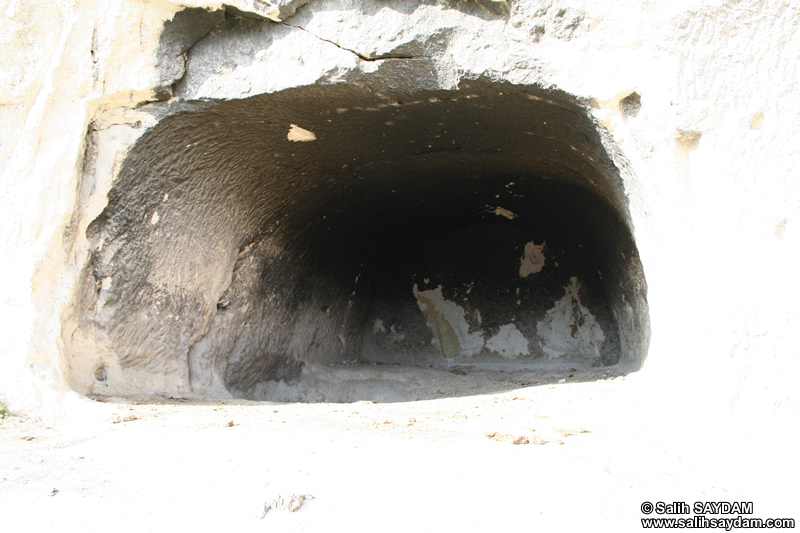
pixel 246 243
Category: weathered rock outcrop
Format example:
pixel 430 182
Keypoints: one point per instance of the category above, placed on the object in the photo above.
pixel 204 196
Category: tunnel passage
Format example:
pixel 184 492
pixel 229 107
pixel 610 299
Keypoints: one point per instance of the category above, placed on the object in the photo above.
pixel 247 241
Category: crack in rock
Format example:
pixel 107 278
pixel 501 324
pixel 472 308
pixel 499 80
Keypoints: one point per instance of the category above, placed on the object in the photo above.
pixel 361 56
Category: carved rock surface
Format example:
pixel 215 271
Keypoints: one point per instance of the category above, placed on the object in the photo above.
pixel 168 225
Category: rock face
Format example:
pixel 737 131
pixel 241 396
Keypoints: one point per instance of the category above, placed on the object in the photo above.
pixel 239 189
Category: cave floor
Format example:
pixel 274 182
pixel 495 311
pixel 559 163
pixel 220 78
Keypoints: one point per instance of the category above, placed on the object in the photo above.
pixel 588 452
pixel 403 383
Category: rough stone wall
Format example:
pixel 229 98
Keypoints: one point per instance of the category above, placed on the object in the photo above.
pixel 709 143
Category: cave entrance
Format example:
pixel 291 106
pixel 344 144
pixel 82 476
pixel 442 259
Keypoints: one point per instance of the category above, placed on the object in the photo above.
pixel 253 247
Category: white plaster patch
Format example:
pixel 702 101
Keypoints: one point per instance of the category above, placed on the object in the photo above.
pixel 532 260
pixel 298 134
pixel 503 212
pixel 570 328
pixel 509 342
pixel 448 323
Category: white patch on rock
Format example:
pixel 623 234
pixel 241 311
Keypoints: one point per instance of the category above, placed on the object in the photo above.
pixel 298 134
pixel 503 212
pixel 532 260
pixel 154 218
pixel 102 298
pixel 509 342
pixel 570 328
pixel 378 327
pixel 448 323
pixel 396 336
